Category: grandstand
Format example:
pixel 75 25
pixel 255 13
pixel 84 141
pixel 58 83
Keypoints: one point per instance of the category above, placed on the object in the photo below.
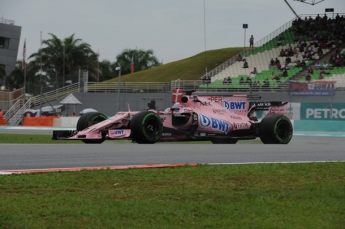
pixel 314 31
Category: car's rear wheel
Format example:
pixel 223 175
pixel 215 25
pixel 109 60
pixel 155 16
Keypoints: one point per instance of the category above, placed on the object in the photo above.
pixel 224 141
pixel 275 129
pixel 90 119
pixel 146 127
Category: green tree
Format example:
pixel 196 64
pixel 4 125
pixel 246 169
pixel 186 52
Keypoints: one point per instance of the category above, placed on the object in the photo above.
pixel 107 70
pixel 62 59
pixel 143 59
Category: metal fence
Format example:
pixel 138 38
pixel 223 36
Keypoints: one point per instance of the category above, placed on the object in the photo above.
pixel 6 21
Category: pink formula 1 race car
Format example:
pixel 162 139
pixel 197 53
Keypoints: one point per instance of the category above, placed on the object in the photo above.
pixel 221 119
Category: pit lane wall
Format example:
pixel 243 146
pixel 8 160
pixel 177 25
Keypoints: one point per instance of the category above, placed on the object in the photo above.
pixel 68 122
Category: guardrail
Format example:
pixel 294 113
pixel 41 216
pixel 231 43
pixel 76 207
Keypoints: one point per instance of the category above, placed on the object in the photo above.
pixel 129 87
pixel 6 21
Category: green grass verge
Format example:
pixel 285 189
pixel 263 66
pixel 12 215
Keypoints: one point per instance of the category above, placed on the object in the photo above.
pixel 47 139
pixel 310 195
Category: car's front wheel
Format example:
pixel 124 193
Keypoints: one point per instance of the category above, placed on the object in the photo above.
pixel 90 119
pixel 146 127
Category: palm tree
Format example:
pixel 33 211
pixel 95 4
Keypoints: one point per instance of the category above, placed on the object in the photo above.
pixel 142 60
pixel 107 70
pixel 64 58
pixel 16 77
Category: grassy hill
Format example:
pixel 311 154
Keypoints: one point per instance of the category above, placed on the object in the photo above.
pixel 191 68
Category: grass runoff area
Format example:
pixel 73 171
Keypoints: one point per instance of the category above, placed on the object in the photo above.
pixel 47 139
pixel 309 195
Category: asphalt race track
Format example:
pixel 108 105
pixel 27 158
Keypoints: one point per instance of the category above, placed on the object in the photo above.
pixel 300 149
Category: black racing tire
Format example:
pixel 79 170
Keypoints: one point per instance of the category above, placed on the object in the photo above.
pixel 275 129
pixel 146 127
pixel 90 119
pixel 224 141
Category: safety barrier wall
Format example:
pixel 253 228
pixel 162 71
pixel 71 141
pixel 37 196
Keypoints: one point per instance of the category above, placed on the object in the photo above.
pixel 66 122
pixel 319 125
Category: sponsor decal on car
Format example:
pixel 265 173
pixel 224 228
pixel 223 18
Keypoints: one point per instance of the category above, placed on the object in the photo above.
pixel 215 98
pixel 241 125
pixel 205 104
pixel 119 132
pixel 234 105
pixel 235 117
pixel 219 111
pixel 277 110
pixel 214 123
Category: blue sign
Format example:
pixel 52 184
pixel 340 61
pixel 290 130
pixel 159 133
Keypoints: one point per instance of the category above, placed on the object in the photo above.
pixel 245 26
pixel 215 123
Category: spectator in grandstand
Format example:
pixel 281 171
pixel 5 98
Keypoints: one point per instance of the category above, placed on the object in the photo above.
pixel 296 59
pixel 272 64
pixel 309 48
pixel 245 64
pixel 318 18
pixel 206 80
pixel 279 66
pixel 308 77
pixel 337 18
pixel 282 53
pixel 287 60
pixel 229 80
pixel 317 65
pixel 289 51
pixel 294 51
pixel 298 64
pixel 239 57
pixel 303 64
pixel 310 55
pixel 310 70
pixel 300 48
pixel 225 81
pixel 325 17
pixel 248 80
pixel 281 72
pixel 287 67
pixel 285 73
pixel 331 59
pixel 319 52
pixel 321 76
pixel 277 61
pixel 251 41
pixel 315 42
pixel 241 80
pixel 266 83
pixel 254 72
pixel 325 65
pixel 273 76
